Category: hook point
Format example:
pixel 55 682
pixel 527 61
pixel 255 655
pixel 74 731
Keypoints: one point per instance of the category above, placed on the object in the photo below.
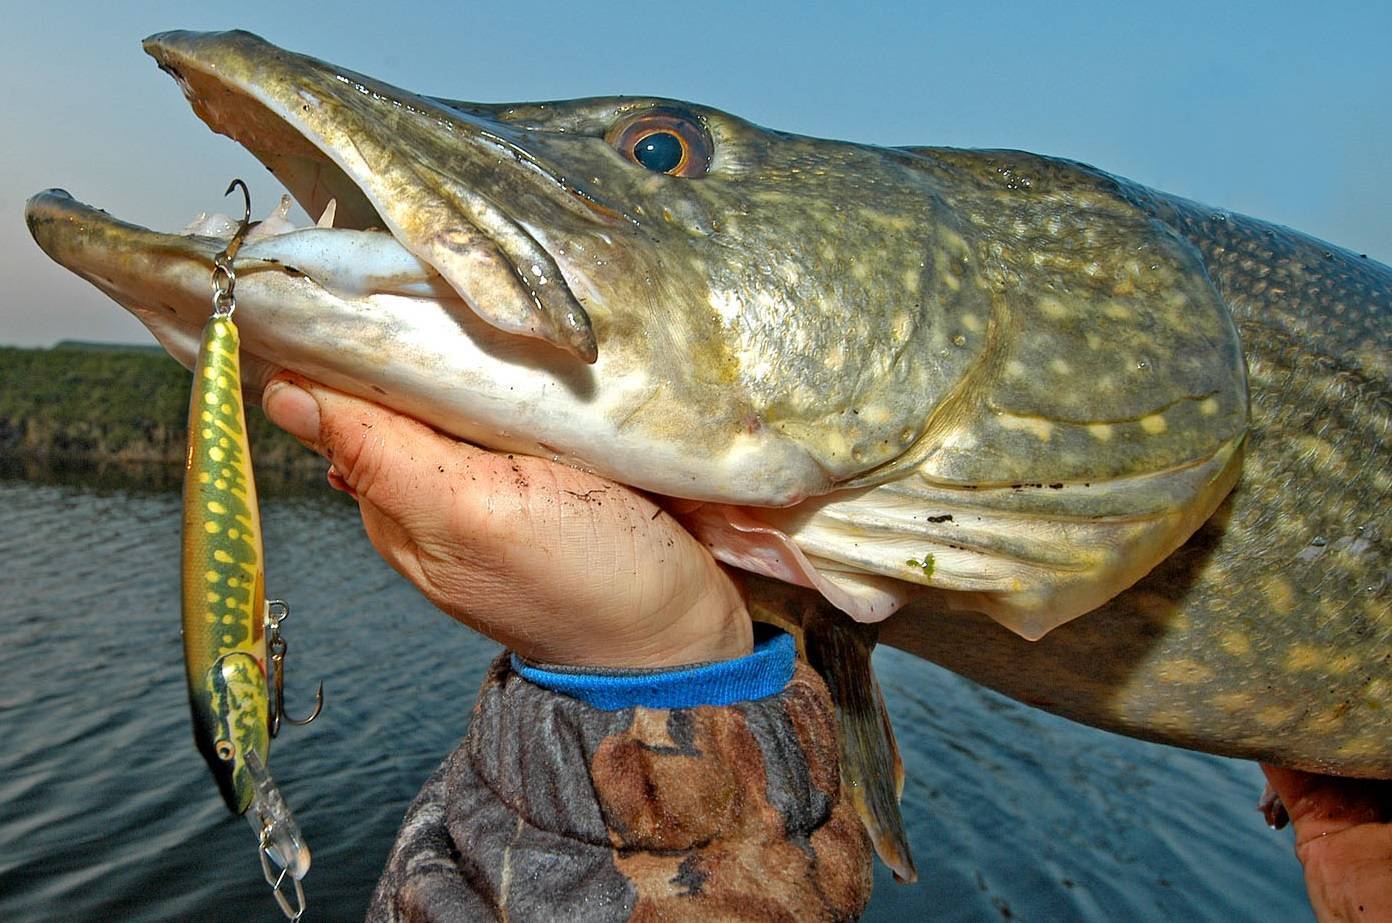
pixel 246 198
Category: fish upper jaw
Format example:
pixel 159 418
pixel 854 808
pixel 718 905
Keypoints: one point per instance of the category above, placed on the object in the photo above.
pixel 390 158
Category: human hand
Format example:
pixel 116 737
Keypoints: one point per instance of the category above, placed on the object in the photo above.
pixel 559 565
pixel 1343 838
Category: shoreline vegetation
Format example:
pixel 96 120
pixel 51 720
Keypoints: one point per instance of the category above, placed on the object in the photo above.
pixel 118 413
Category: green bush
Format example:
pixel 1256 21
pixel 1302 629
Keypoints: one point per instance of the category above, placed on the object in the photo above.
pixel 111 405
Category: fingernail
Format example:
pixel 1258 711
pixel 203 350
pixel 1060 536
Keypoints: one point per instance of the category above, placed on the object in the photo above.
pixel 292 409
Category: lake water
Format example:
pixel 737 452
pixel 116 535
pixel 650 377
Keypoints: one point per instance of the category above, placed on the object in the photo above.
pixel 108 813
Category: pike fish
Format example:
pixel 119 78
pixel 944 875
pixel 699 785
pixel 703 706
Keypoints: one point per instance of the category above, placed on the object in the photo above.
pixel 1116 454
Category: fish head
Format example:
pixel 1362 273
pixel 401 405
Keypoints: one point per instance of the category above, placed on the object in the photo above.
pixel 230 709
pixel 516 274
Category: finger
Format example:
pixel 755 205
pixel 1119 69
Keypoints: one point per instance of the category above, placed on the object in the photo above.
pixel 392 459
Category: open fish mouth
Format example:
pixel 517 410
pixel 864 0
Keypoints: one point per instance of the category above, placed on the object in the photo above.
pixel 321 131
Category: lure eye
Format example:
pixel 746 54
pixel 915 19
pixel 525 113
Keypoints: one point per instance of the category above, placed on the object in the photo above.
pixel 225 750
pixel 664 141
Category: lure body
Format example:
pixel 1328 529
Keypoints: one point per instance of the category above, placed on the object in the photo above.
pixel 223 577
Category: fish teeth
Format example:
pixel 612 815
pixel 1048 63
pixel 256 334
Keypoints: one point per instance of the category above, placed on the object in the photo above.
pixel 214 225
pixel 277 222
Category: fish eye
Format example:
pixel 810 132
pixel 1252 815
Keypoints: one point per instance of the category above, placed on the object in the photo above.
pixel 664 141
pixel 225 750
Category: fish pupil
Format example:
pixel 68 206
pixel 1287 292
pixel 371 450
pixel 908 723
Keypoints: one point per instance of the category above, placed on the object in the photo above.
pixel 660 151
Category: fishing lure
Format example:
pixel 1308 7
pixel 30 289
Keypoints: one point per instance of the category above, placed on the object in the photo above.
pixel 235 695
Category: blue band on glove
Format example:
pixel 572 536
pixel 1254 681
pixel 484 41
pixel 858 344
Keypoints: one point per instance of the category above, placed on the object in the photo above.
pixel 756 676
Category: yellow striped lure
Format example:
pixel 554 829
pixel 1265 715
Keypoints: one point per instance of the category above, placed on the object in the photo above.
pixel 236 699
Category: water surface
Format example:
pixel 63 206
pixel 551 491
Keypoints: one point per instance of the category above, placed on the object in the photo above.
pixel 108 813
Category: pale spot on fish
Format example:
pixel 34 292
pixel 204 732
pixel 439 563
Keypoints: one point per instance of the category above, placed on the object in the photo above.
pixel 212 597
pixel 1014 368
pixel 861 271
pixel 1280 595
pixel 1154 424
pixel 1304 657
pixel 1060 367
pixel 1188 672
pixel 971 322
pixel 211 528
pixel 221 556
pixel 1040 428
pixel 216 454
pixel 215 507
pixel 1094 341
pixel 1208 406
pixel 1235 643
pixel 911 281
pixel 951 281
pixel 1102 432
pixel 1273 716
pixel 1052 307
pixel 1117 311
pixel 212 576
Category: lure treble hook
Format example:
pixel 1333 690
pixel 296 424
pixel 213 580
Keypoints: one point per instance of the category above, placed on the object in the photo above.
pixel 278 611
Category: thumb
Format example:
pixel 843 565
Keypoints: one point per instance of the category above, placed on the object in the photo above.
pixel 377 454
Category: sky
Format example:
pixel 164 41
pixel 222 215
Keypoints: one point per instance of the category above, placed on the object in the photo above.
pixel 1281 110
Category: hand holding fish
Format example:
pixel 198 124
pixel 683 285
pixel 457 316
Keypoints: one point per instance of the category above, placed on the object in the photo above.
pixel 560 565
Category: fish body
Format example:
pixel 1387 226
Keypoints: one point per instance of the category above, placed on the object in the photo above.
pixel 222 574
pixel 1116 454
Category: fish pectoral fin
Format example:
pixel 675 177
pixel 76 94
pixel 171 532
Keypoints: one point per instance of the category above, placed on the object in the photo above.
pixel 872 774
